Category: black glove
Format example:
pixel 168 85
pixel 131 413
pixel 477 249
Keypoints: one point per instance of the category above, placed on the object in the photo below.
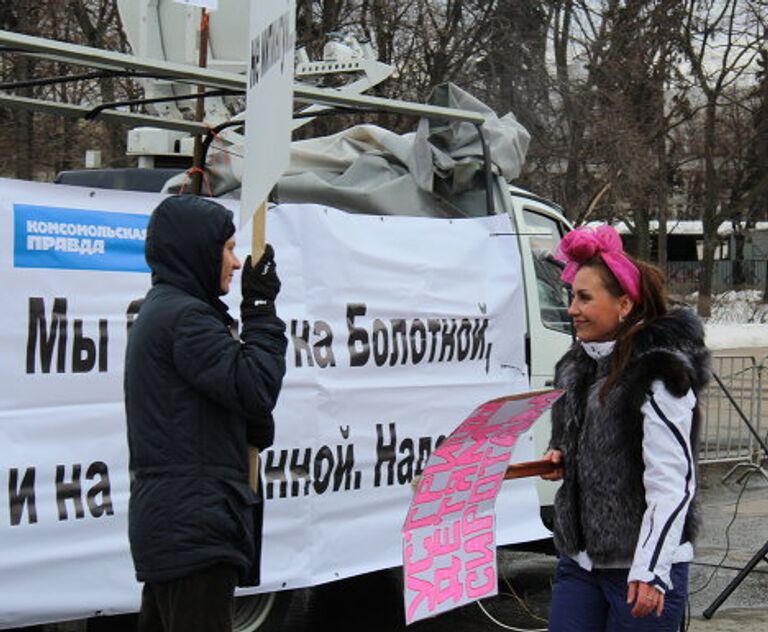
pixel 259 284
pixel 261 431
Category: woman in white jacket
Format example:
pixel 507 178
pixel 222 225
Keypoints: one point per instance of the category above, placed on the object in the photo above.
pixel 625 433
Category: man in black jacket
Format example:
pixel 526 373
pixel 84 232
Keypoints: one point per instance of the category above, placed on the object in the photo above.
pixel 195 397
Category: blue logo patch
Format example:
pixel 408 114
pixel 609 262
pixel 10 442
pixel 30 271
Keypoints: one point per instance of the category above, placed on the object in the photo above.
pixel 75 239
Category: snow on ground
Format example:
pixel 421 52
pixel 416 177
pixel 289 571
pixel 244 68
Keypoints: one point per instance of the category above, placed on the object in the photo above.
pixel 739 320
pixel 735 335
pixel 739 307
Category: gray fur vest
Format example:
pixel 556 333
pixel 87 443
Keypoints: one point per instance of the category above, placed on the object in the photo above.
pixel 600 505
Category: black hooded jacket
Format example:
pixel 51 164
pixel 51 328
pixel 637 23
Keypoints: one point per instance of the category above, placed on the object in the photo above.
pixel 195 396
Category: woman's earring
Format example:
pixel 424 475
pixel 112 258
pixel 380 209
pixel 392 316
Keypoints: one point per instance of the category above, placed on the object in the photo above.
pixel 621 318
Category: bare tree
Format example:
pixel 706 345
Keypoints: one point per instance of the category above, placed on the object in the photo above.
pixel 756 198
pixel 515 78
pixel 613 63
pixel 91 22
pixel 100 25
pixel 715 26
pixel 428 41
pixel 631 121
pixel 19 130
pixel 315 19
pixel 629 102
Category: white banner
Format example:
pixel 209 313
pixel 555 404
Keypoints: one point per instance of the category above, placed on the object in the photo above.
pixel 398 328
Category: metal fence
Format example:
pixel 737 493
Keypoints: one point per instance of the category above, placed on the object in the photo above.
pixel 724 434
pixel 683 276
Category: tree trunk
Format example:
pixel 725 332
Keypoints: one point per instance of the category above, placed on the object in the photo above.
pixel 662 186
pixel 24 126
pixel 642 233
pixel 765 286
pixel 739 273
pixel 661 244
pixel 709 218
pixel 704 306
pixel 574 120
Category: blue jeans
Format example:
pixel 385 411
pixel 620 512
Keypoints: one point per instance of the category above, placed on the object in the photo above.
pixel 596 601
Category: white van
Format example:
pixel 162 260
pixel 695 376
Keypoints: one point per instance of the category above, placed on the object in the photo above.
pixel 63 433
pixel 69 304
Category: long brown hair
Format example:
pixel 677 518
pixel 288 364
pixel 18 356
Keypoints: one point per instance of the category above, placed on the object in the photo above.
pixel 654 305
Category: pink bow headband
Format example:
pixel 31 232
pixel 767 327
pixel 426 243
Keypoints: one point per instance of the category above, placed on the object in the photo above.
pixel 580 245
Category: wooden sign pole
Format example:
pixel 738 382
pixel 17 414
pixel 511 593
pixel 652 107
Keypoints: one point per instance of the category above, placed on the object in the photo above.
pixel 196 184
pixel 517 470
pixel 258 242
pixel 531 468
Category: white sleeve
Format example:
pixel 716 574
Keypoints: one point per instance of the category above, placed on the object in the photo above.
pixel 670 483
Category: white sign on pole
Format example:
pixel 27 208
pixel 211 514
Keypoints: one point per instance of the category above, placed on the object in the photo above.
pixel 211 5
pixel 269 99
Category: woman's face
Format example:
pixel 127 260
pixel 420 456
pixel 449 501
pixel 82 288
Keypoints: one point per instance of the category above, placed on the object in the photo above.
pixel 595 311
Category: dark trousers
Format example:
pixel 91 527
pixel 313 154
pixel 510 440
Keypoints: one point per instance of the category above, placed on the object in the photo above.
pixel 199 602
pixel 596 601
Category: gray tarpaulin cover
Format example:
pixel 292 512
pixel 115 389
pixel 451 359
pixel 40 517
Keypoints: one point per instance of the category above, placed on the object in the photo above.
pixel 435 171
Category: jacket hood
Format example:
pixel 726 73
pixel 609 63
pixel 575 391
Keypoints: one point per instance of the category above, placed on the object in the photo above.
pixel 679 331
pixel 185 243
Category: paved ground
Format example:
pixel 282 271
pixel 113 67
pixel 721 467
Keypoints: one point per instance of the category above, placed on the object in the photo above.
pixel 731 536
pixel 373 603
pixel 723 551
pixel 746 609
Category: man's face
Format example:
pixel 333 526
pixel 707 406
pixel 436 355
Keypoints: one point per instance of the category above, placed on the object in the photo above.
pixel 229 263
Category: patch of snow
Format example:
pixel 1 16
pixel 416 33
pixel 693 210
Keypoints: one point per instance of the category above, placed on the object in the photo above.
pixel 739 320
pixel 718 336
pixel 739 307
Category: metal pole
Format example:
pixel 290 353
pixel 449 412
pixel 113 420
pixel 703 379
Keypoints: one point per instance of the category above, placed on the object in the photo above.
pixel 198 166
pixel 121 62
pixel 487 168
pixel 81 111
pixel 709 612
pixel 759 413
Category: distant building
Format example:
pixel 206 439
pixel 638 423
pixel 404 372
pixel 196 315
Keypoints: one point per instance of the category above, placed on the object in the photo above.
pixel 685 240
pixel 684 252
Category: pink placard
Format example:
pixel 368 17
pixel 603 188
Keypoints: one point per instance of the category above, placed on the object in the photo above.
pixel 449 545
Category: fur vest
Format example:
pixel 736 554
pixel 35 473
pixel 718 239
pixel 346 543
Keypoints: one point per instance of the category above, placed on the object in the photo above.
pixel 600 505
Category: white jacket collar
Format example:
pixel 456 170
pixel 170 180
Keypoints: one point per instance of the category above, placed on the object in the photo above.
pixel 597 350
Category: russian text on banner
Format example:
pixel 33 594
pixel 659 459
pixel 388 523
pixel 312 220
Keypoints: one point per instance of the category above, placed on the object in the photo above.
pixel 449 545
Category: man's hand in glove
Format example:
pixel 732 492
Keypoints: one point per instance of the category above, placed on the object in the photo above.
pixel 260 285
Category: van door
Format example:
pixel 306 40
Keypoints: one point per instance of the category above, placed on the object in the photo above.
pixel 549 333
